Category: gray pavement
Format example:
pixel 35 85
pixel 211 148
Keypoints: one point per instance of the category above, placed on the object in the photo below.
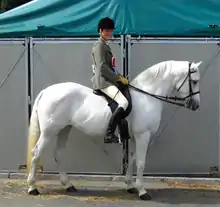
pixel 109 193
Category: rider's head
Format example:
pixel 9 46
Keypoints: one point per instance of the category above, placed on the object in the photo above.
pixel 106 27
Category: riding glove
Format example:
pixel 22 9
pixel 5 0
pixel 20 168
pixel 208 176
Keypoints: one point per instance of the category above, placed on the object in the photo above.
pixel 123 80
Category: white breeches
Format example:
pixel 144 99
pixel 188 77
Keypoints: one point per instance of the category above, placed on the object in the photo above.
pixel 114 93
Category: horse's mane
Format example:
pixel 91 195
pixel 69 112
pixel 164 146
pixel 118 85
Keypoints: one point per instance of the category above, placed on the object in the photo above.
pixel 162 70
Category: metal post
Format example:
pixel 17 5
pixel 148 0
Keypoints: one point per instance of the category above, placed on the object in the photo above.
pixel 30 100
pixel 218 164
pixel 27 85
pixel 125 73
pixel 29 66
pixel 28 92
pixel 128 40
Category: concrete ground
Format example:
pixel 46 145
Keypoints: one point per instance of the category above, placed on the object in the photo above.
pixel 13 192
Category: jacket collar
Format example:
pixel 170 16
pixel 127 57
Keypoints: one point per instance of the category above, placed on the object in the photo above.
pixel 103 41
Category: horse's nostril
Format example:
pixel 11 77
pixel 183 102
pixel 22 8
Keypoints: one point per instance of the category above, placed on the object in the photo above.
pixel 195 107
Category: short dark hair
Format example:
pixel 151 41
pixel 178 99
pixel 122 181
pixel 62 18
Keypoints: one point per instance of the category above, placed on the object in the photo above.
pixel 106 23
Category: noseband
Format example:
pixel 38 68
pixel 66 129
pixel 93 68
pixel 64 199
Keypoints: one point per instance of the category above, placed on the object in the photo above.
pixel 173 99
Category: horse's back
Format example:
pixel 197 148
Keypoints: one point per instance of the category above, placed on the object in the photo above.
pixel 72 102
pixel 67 87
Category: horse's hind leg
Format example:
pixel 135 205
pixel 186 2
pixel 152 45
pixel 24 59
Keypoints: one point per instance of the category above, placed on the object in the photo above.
pixel 61 144
pixel 37 152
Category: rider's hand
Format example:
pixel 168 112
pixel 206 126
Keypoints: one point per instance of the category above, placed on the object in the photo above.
pixel 123 80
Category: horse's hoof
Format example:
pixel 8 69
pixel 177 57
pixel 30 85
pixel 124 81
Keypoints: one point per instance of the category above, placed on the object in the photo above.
pixel 132 190
pixel 145 197
pixel 71 189
pixel 34 192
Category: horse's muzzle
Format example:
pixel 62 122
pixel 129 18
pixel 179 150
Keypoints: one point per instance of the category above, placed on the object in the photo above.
pixel 192 104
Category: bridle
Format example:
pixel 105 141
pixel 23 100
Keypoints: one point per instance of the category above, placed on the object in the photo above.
pixel 174 99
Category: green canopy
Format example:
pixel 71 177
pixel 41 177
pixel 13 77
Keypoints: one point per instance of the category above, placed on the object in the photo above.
pixel 50 18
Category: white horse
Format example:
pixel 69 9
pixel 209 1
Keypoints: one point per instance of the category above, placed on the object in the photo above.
pixel 62 106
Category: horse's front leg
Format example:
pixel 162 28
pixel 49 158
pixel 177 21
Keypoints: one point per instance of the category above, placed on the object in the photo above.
pixel 142 141
pixel 128 177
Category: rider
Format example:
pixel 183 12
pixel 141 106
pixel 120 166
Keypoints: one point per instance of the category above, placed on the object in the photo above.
pixel 106 78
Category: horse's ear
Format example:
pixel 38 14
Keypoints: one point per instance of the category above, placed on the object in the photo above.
pixel 196 65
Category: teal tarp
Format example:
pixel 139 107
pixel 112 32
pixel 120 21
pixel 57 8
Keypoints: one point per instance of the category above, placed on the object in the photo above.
pixel 137 17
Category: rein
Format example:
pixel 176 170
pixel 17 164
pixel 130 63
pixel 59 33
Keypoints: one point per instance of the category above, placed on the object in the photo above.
pixel 161 98
pixel 169 99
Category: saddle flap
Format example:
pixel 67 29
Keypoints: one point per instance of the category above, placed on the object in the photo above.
pixel 98 92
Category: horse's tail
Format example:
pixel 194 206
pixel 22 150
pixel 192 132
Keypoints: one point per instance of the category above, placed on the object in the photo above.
pixel 34 131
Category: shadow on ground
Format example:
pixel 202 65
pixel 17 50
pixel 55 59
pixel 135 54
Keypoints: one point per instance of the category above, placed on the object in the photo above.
pixel 164 196
pixel 185 196
pixel 168 196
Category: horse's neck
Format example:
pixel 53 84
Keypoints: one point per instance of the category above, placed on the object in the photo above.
pixel 155 80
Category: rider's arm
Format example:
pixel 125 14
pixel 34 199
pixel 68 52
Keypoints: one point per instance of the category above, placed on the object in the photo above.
pixel 101 64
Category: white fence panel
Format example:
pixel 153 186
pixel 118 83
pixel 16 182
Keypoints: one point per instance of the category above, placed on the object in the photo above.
pixel 14 104
pixel 190 142
pixel 64 60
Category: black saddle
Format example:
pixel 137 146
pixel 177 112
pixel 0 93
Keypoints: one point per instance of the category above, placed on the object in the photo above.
pixel 123 125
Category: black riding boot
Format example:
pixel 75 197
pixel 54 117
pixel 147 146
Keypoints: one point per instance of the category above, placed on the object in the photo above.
pixel 116 116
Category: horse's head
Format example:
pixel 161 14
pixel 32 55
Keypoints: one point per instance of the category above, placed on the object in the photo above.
pixel 187 86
